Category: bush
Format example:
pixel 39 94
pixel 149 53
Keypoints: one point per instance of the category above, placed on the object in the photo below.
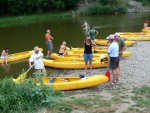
pixel 97 10
pixel 144 2
pixel 26 96
pixel 24 7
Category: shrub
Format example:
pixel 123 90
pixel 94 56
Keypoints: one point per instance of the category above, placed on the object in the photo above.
pixel 97 10
pixel 26 96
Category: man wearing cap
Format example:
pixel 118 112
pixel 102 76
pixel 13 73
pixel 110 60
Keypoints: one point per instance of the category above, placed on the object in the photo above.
pixel 49 43
pixel 122 47
pixel 113 52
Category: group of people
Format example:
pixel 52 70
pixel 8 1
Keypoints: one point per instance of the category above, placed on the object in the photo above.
pixel 115 51
pixel 37 56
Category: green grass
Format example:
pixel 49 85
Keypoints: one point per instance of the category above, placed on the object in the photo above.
pixel 27 19
pixel 142 97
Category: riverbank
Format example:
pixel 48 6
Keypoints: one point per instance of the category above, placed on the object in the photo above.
pixel 122 98
pixel 28 19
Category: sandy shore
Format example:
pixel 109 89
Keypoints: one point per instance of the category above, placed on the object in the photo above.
pixel 135 69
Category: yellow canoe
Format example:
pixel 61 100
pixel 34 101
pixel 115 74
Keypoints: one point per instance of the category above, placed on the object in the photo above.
pixel 146 30
pixel 81 56
pixel 103 42
pixel 135 36
pixel 73 64
pixel 76 56
pixel 80 51
pixel 72 83
pixel 19 56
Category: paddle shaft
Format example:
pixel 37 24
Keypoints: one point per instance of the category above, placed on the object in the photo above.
pixel 29 68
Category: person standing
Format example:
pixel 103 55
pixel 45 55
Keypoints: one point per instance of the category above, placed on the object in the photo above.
pixel 145 26
pixel 88 55
pixel 92 33
pixel 49 43
pixel 113 52
pixel 37 60
pixel 122 48
pixel 4 56
pixel 86 27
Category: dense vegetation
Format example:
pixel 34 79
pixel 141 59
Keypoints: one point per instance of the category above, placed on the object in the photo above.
pixel 105 7
pixel 144 2
pixel 95 7
pixel 26 97
pixel 23 7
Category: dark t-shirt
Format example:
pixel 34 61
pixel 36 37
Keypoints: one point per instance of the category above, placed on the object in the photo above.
pixel 121 44
pixel 87 48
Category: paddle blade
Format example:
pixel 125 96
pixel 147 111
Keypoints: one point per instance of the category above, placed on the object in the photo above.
pixel 21 77
pixel 108 74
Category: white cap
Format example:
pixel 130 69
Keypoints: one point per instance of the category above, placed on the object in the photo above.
pixel 110 37
pixel 117 34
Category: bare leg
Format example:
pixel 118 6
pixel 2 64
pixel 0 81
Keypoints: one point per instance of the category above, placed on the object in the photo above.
pixel 44 73
pixel 65 52
pixel 114 75
pixel 91 66
pixel 3 61
pixel 6 60
pixel 49 52
pixel 119 68
pixel 85 67
pixel 93 42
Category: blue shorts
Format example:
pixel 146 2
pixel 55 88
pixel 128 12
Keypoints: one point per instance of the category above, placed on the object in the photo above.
pixel 49 45
pixel 88 57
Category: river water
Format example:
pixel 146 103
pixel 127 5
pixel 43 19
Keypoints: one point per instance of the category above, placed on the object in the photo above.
pixel 24 37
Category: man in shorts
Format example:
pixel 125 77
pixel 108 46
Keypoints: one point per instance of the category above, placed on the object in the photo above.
pixel 93 33
pixel 122 47
pixel 49 43
pixel 113 52
pixel 37 59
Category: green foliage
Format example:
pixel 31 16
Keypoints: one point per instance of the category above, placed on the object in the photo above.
pixel 142 96
pixel 110 2
pixel 98 9
pixel 23 7
pixel 26 96
pixel 144 2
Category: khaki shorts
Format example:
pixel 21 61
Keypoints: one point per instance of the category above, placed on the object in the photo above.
pixel 41 71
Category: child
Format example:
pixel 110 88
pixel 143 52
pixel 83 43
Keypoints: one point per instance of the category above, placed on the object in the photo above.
pixel 4 56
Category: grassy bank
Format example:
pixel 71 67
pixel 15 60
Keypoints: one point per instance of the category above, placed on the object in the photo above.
pixel 28 97
pixel 27 19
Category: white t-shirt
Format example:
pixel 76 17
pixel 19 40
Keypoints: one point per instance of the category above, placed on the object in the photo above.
pixel 113 49
pixel 37 59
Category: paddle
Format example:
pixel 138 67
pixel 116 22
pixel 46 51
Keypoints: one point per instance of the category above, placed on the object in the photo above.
pixel 23 75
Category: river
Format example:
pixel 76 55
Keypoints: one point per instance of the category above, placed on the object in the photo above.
pixel 24 37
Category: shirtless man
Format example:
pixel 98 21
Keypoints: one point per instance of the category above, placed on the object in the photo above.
pixel 86 27
pixel 49 43
pixel 63 49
